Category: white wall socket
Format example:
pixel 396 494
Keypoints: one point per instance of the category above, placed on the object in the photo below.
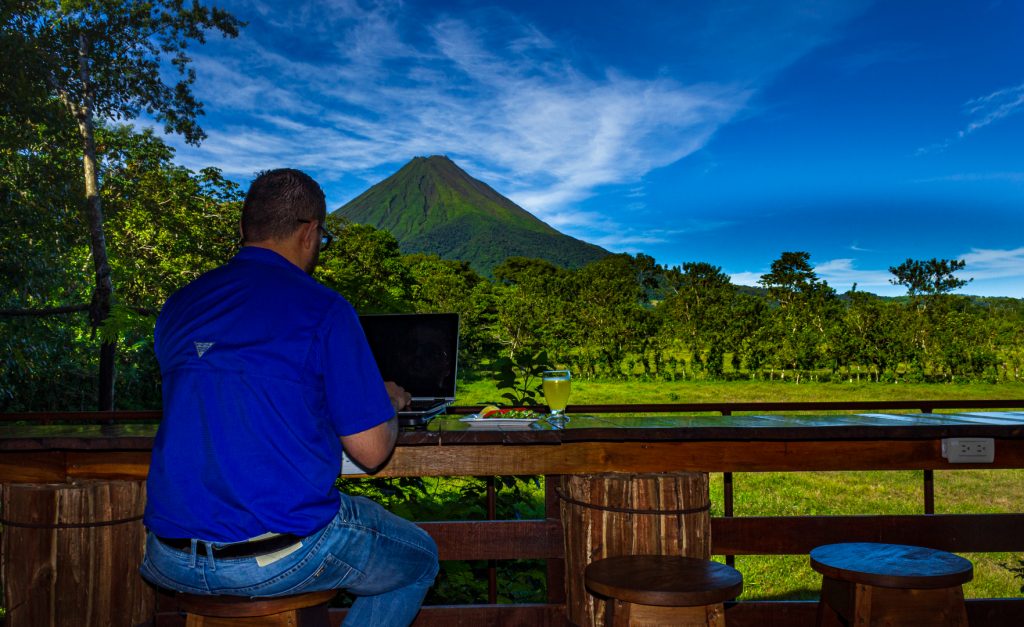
pixel 969 450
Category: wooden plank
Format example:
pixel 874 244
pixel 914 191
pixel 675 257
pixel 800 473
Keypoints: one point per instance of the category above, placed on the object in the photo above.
pixel 496 539
pixel 92 416
pixel 777 535
pixel 108 464
pixel 567 458
pixel 33 467
pixel 588 457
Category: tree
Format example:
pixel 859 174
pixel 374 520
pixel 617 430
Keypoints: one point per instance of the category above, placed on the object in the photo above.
pixel 101 59
pixel 517 269
pixel 446 285
pixel 931 277
pixel 166 225
pixel 802 324
pixel 696 310
pixel 365 265
pixel 606 306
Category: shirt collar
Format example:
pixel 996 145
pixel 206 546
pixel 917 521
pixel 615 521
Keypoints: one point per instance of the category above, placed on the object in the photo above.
pixel 264 255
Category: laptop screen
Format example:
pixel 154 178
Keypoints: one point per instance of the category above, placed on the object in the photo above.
pixel 417 351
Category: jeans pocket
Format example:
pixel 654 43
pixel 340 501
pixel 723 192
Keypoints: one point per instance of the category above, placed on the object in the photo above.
pixel 152 573
pixel 315 572
pixel 330 574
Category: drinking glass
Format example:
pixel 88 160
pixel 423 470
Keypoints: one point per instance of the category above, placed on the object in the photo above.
pixel 557 384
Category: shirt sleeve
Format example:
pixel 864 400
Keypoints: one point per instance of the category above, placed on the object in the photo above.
pixel 356 397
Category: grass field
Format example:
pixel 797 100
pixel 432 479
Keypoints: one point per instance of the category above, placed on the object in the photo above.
pixel 830 493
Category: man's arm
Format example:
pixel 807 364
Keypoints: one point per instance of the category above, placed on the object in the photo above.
pixel 372 447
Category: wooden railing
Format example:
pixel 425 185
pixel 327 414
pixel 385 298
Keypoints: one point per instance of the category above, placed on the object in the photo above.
pixel 731 536
pixel 542 539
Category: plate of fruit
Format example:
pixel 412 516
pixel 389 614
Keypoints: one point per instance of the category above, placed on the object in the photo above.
pixel 492 417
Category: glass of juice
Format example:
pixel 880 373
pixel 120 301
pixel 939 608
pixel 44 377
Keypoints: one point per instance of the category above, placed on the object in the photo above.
pixel 556 391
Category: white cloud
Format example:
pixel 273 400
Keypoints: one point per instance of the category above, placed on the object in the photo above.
pixel 974 177
pixel 841 275
pixel 993 107
pixel 986 263
pixel 983 111
pixel 746 278
pixel 544 132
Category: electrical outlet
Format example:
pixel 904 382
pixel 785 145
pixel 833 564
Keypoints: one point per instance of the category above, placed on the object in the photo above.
pixel 969 450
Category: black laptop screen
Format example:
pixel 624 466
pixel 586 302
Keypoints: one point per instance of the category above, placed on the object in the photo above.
pixel 417 351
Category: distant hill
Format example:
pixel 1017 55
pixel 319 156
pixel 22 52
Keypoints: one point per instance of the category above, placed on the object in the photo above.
pixel 431 205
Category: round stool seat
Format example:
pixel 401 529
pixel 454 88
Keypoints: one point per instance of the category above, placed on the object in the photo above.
pixel 891 565
pixel 222 606
pixel 666 580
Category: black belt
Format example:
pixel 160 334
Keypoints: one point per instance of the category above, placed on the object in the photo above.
pixel 251 548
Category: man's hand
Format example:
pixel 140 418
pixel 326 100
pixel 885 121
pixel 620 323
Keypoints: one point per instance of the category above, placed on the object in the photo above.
pixel 400 399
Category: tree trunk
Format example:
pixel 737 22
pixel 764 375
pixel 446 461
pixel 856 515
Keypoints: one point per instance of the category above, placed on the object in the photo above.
pixel 104 289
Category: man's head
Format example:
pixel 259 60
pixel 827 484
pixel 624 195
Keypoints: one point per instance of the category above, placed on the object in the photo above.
pixel 285 207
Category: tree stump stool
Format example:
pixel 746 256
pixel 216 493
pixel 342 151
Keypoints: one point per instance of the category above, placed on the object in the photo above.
pixel 299 610
pixel 616 514
pixel 865 583
pixel 663 590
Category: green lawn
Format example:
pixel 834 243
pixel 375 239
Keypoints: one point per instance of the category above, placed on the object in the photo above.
pixel 614 392
pixel 830 493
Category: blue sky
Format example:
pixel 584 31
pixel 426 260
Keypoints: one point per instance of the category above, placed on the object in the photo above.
pixel 861 132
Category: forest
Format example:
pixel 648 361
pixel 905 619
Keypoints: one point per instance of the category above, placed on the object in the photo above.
pixel 99 224
pixel 621 317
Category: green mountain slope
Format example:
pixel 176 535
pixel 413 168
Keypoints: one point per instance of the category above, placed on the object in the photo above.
pixel 431 205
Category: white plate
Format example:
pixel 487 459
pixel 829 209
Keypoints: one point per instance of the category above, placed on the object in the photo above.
pixel 476 422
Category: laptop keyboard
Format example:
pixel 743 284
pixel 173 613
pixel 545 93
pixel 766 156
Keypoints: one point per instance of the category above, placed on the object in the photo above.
pixel 423 404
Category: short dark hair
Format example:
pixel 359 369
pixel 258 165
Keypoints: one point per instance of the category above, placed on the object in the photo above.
pixel 277 200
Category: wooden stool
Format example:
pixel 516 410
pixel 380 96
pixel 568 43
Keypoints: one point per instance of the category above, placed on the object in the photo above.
pixel 663 590
pixel 299 610
pixel 865 583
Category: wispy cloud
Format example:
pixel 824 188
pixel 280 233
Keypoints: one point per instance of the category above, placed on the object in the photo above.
pixel 368 86
pixel 983 111
pixel 547 133
pixel 974 177
pixel 993 107
pixel 986 263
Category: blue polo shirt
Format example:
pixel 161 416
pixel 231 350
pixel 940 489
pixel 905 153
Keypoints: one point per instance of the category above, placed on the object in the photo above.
pixel 263 369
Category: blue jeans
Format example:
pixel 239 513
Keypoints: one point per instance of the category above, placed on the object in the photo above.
pixel 387 562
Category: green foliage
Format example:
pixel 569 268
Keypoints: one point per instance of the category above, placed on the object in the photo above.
pixel 364 264
pixel 931 277
pixel 465 498
pixel 125 44
pixel 165 225
pixel 519 378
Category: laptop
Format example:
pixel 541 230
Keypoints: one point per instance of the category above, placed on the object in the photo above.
pixel 420 353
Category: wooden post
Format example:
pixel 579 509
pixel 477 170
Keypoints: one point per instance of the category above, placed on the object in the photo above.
pixel 622 514
pixel 71 553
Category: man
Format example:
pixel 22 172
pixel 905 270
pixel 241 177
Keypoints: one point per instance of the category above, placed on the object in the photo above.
pixel 266 375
